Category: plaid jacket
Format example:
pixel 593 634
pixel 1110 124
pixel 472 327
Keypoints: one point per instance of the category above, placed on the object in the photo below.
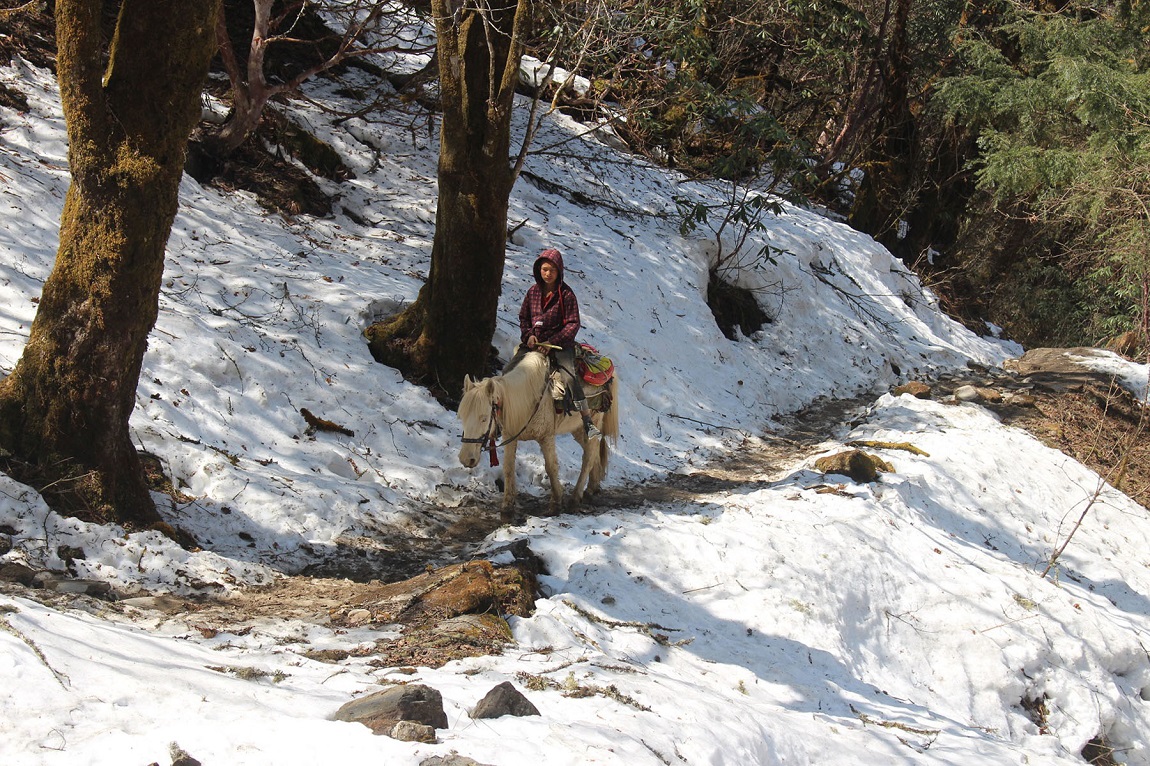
pixel 554 320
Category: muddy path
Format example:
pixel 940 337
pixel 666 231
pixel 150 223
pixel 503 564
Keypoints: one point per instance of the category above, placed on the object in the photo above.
pixel 451 534
pixel 1069 407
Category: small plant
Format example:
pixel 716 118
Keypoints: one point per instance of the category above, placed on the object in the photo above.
pixel 1099 752
pixel 730 224
pixel 1028 604
pixel 249 674
pixel 740 215
pixel 801 607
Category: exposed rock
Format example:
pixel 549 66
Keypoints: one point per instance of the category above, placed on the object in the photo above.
pixel 474 587
pixel 858 465
pixel 433 643
pixel 467 590
pixel 450 760
pixel 915 388
pixel 474 629
pixel 410 731
pixel 327 655
pixel 50 581
pixel 382 710
pixel 5 543
pixel 358 617
pixel 1059 369
pixel 980 394
pixel 966 394
pixel 161 603
pixel 10 571
pixel 503 700
pixel 988 394
pixel 180 756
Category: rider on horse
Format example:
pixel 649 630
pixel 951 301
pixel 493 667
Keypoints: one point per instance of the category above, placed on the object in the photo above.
pixel 548 323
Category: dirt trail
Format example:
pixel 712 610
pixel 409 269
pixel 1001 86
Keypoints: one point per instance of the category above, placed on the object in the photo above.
pixel 1068 407
pixel 451 534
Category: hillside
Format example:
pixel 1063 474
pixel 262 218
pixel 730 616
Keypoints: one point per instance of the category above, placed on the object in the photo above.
pixel 769 614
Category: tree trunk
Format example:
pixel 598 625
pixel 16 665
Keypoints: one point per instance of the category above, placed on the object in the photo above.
pixel 881 199
pixel 65 408
pixel 250 89
pixel 447 332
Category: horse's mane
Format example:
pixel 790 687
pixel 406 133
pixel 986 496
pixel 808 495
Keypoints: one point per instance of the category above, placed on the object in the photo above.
pixel 473 404
pixel 520 389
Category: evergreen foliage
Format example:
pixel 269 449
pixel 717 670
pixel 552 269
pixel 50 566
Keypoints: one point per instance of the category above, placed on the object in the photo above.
pixel 1061 102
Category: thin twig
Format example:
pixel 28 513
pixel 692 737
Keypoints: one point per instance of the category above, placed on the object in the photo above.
pixel 61 678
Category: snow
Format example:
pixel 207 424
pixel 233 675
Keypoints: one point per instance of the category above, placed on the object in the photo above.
pixel 1133 378
pixel 796 619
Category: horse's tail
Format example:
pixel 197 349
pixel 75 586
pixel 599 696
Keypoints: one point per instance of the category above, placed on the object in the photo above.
pixel 610 425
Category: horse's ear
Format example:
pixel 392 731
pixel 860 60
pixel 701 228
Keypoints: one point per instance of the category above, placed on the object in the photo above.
pixel 468 383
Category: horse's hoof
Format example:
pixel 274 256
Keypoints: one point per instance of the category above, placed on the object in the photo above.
pixel 511 516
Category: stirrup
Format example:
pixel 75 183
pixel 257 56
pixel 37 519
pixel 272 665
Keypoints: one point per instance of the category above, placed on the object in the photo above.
pixel 591 431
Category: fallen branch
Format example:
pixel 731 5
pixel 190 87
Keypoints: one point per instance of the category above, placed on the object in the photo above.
pixel 874 444
pixel 643 626
pixel 708 425
pixel 319 424
pixel 866 719
pixel 61 679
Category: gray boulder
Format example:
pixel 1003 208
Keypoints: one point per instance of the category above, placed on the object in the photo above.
pixel 382 710
pixel 503 700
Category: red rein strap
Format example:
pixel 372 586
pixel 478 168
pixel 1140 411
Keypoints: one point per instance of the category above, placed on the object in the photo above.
pixel 494 456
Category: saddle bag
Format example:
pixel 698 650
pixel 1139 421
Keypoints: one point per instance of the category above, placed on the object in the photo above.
pixel 592 366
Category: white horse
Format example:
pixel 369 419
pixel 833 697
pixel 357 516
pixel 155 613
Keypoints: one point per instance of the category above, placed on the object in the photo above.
pixel 518 406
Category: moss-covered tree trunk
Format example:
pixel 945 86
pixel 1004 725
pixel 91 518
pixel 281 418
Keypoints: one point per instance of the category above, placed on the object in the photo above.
pixel 447 331
pixel 129 104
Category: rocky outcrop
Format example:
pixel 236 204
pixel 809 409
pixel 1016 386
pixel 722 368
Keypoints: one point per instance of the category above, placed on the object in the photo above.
pixel 384 710
pixel 503 700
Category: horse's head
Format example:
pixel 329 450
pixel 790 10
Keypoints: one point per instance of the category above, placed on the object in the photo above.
pixel 477 413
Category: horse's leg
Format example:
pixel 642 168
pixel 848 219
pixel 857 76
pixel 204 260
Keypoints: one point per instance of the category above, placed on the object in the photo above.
pixel 599 469
pixel 590 450
pixel 510 493
pixel 551 463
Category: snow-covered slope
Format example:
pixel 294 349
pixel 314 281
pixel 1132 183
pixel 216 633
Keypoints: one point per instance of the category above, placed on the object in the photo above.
pixel 899 621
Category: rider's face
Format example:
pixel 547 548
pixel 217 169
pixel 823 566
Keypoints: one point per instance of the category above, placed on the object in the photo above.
pixel 549 273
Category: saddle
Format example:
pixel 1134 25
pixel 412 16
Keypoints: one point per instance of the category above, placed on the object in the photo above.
pixel 595 370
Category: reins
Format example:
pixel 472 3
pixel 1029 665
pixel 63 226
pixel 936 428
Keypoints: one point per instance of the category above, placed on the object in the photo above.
pixel 487 441
pixel 491 435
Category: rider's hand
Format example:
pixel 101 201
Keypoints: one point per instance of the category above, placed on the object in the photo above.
pixel 531 341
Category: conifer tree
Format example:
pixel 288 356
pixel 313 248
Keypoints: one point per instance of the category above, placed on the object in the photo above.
pixel 1061 102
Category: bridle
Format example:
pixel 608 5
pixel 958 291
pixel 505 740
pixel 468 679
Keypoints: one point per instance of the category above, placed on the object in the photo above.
pixel 490 439
pixel 491 435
